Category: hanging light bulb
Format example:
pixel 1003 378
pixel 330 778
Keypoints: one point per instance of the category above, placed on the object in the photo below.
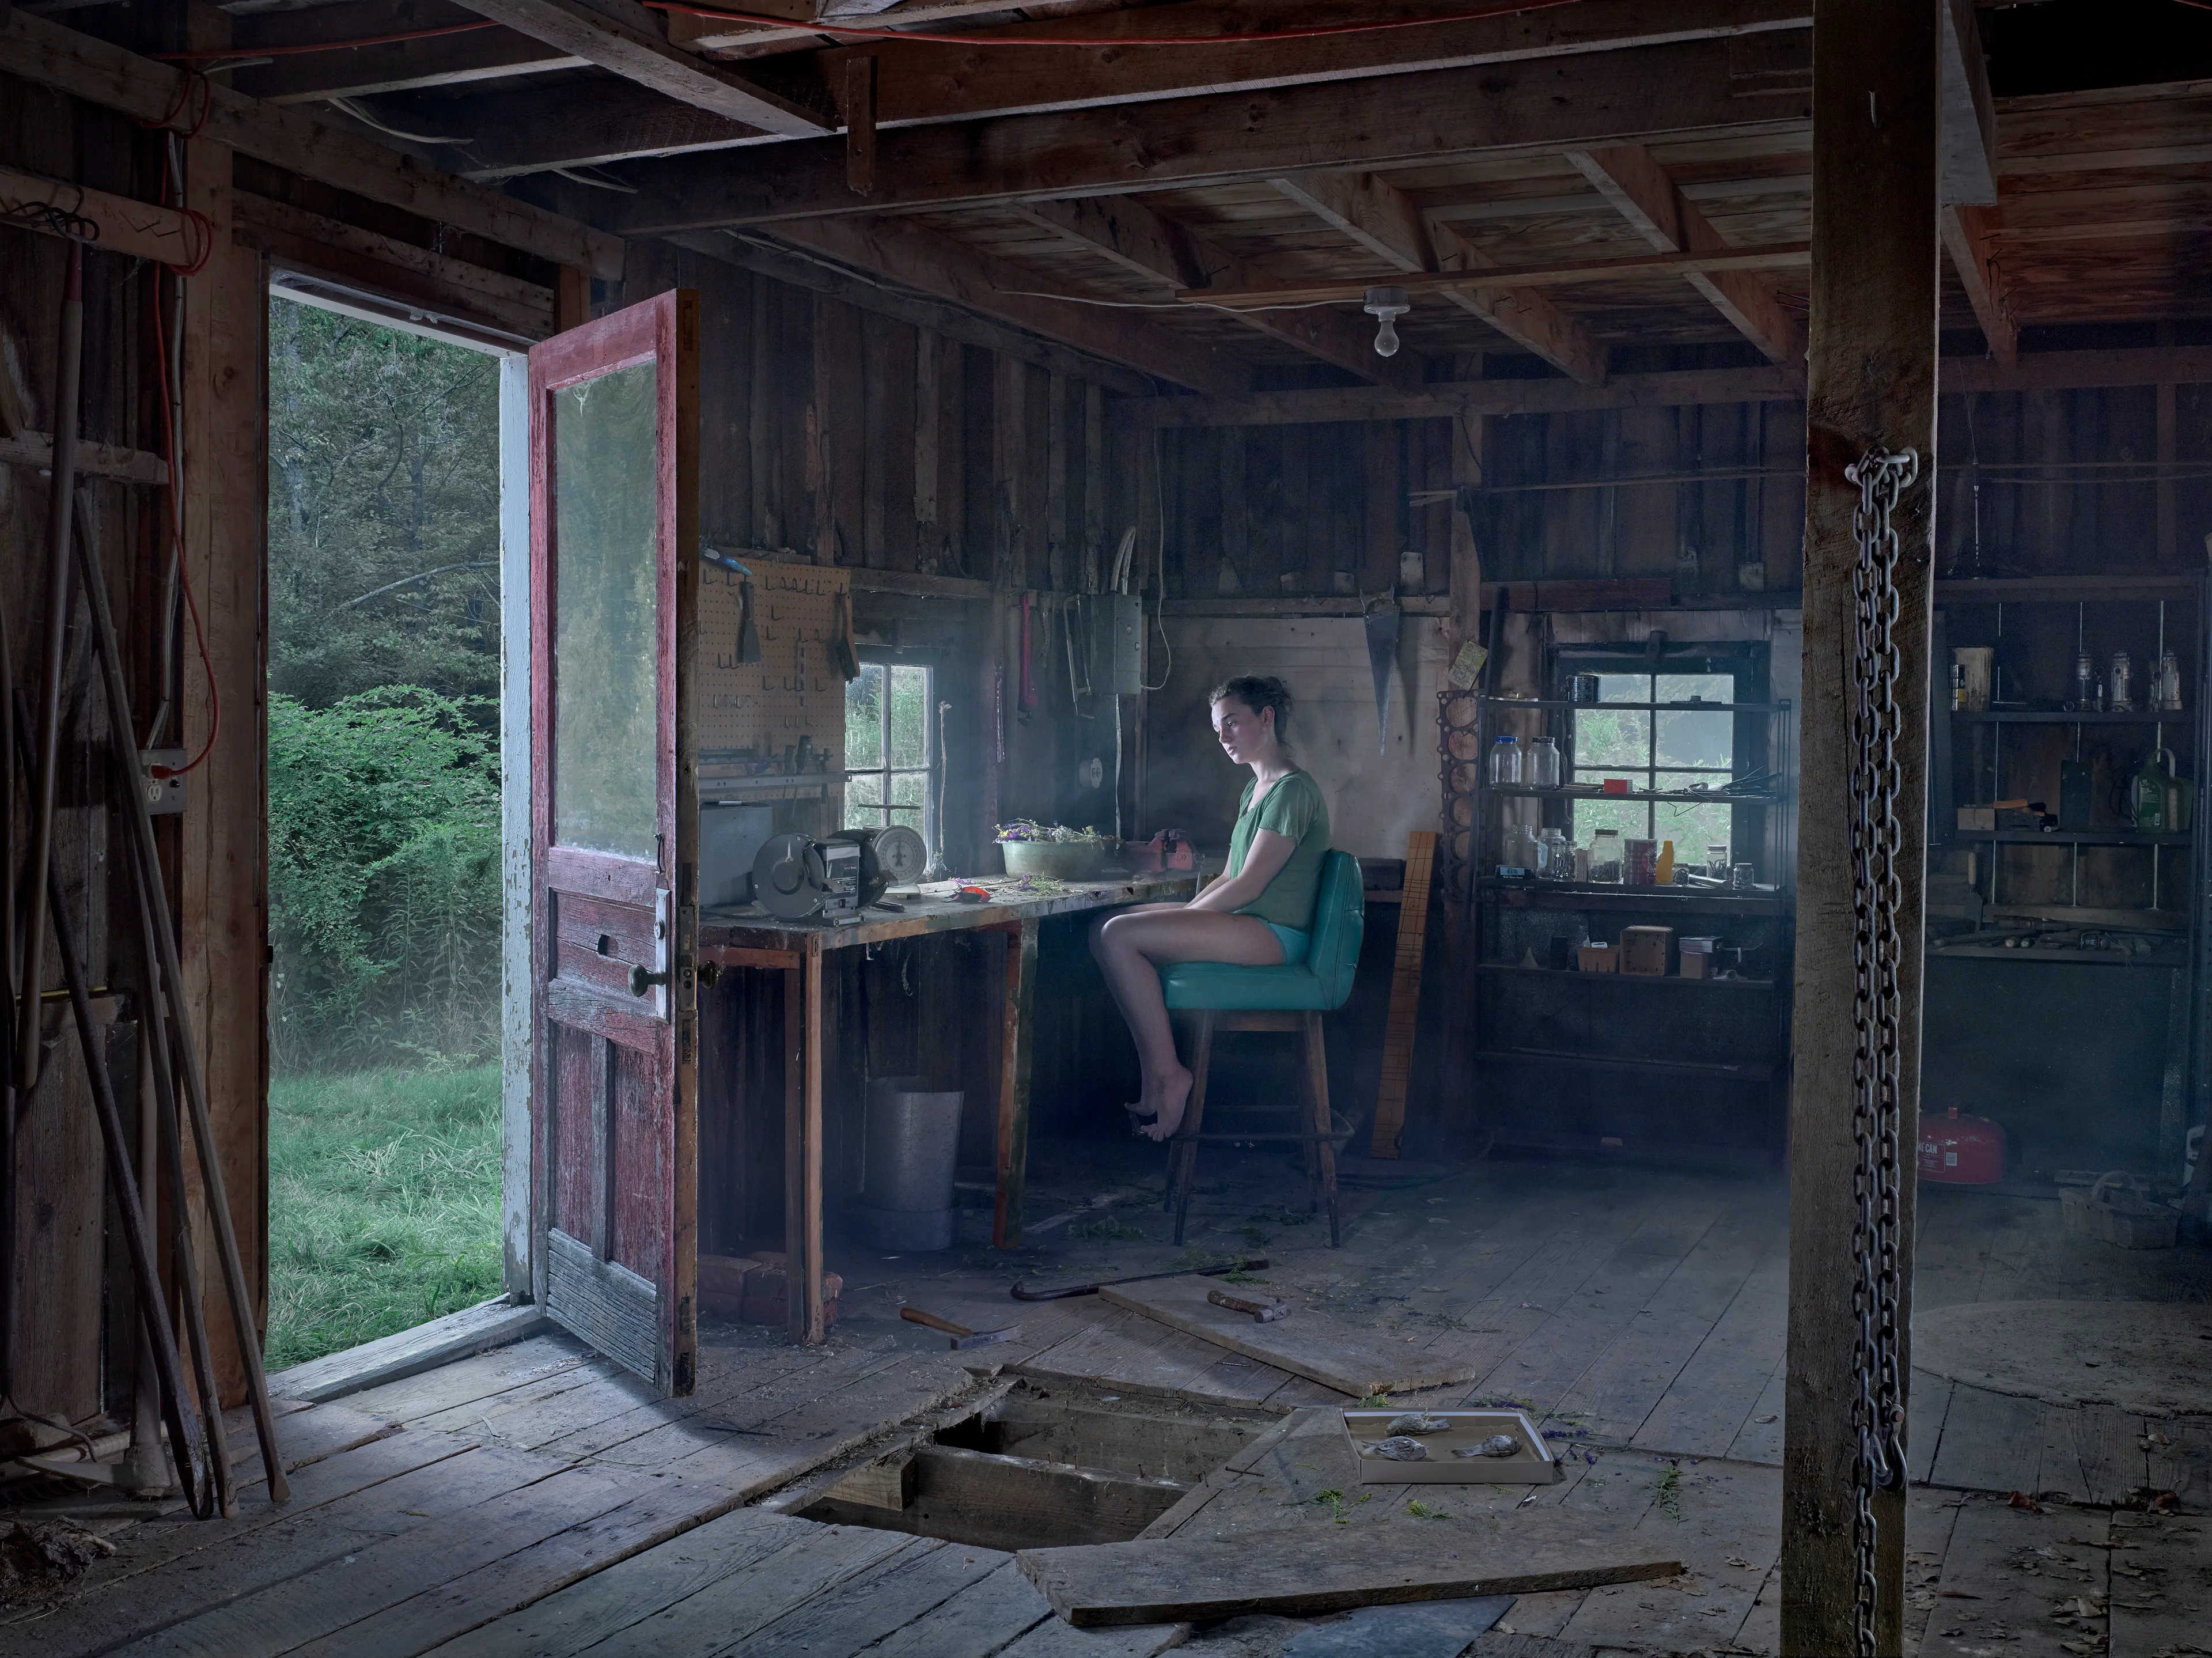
pixel 1387 305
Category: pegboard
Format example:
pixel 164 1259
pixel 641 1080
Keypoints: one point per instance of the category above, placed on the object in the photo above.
pixel 795 690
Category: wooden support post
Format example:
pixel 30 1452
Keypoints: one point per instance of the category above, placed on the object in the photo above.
pixel 1016 1046
pixel 860 126
pixel 1398 1028
pixel 223 870
pixel 1872 385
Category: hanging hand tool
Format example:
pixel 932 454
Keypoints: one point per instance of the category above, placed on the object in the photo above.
pixel 841 640
pixel 61 505
pixel 962 1337
pixel 1250 1264
pixel 1382 621
pixel 748 644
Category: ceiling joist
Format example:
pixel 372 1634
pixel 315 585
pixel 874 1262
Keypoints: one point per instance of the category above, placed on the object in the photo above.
pixel 624 37
pixel 1535 106
pixel 1143 242
pixel 1627 176
pixel 1778 256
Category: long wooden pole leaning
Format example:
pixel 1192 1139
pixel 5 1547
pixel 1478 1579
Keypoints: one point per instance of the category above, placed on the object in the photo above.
pixel 183 1422
pixel 61 504
pixel 178 1038
pixel 1876 137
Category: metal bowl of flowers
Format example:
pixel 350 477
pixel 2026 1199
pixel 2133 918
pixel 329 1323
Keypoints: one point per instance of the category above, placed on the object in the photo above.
pixel 1052 851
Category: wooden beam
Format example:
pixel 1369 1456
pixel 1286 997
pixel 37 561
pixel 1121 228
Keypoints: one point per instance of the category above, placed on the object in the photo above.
pixel 396 65
pixel 929 261
pixel 928 82
pixel 1629 177
pixel 1384 221
pixel 1455 399
pixel 1872 385
pixel 1970 132
pixel 50 55
pixel 1969 238
pixel 135 229
pixel 797 268
pixel 1532 106
pixel 313 242
pixel 1779 256
pixel 1146 244
pixel 623 37
pixel 36 450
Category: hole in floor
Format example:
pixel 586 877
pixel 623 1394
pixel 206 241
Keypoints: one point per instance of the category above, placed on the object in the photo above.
pixel 1049 1463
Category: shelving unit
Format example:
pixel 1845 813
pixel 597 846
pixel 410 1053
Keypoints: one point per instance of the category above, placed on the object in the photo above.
pixel 1585 1061
pixel 2074 1035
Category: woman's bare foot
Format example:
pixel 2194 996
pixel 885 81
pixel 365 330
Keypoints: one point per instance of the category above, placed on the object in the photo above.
pixel 1173 1092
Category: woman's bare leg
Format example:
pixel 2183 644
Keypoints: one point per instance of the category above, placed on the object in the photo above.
pixel 1132 946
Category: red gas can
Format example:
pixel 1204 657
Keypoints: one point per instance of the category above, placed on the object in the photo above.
pixel 1961 1150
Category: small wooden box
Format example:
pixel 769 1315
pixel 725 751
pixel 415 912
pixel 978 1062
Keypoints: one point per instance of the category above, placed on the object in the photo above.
pixel 1643 950
pixel 1598 958
pixel 722 1284
pixel 1534 1466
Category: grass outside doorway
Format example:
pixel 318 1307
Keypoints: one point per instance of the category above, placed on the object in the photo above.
pixel 384 1204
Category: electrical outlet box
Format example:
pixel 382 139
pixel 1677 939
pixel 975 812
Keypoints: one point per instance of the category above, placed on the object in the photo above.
pixel 1117 643
pixel 164 796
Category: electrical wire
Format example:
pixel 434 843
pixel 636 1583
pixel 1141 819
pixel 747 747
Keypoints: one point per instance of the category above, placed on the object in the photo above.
pixel 176 493
pixel 347 105
pixel 849 32
pixel 575 177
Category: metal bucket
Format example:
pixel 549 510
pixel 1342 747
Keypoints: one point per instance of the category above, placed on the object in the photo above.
pixel 908 1147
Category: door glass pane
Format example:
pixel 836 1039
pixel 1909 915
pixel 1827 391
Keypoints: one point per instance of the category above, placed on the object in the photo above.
pixel 606 622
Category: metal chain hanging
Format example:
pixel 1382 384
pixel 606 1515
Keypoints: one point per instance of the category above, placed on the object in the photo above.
pixel 1877 851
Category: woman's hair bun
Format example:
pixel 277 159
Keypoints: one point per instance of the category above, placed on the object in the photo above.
pixel 1258 692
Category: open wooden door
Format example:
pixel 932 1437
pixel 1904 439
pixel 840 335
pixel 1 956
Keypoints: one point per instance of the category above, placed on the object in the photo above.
pixel 614 587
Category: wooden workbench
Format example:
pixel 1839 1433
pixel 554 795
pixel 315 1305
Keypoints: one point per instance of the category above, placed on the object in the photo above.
pixel 749 937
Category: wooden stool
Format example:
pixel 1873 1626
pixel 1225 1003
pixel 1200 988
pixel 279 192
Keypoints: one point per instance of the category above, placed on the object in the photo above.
pixel 1316 1133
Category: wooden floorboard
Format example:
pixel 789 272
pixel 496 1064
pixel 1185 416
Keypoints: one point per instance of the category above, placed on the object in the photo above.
pixel 2007 1571
pixel 2160 1586
pixel 580 1615
pixel 190 1569
pixel 1715 1393
pixel 1991 1443
pixel 416 1399
pixel 870 1604
pixel 379 1571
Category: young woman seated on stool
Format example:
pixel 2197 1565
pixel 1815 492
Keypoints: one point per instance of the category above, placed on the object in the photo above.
pixel 1257 914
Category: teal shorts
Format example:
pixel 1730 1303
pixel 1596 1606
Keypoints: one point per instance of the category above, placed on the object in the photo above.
pixel 1294 942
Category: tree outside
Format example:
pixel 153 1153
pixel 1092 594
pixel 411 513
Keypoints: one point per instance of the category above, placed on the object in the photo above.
pixel 384 831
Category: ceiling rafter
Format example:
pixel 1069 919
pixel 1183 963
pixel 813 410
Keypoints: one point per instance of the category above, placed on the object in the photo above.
pixel 1386 222
pixel 1141 240
pixel 1629 177
pixel 1969 236
pixel 926 261
pixel 1189 142
pixel 624 37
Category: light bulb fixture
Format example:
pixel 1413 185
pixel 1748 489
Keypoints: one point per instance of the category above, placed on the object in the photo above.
pixel 1386 305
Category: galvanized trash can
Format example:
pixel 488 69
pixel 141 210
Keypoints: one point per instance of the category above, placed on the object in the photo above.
pixel 909 1145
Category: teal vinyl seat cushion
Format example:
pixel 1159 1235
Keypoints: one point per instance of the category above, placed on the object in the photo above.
pixel 1319 984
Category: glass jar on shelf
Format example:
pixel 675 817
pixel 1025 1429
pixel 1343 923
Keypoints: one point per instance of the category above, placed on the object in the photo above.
pixel 1504 761
pixel 1605 857
pixel 1556 857
pixel 1543 763
pixel 1716 862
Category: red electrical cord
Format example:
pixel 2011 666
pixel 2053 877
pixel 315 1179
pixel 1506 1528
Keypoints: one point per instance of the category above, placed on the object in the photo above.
pixel 319 45
pixel 849 32
pixel 177 508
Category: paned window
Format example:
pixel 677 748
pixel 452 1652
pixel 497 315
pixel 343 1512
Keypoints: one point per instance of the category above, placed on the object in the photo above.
pixel 1658 750
pixel 888 747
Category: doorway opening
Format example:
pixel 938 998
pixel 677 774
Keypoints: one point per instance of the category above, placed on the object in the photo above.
pixel 385 826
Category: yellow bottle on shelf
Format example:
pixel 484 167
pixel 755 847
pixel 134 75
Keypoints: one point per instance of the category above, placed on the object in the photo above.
pixel 1664 874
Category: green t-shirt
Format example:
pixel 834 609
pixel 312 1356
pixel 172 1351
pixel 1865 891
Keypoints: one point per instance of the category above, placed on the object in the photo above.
pixel 1293 807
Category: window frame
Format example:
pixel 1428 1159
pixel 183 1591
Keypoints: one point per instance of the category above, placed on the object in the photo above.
pixel 886 770
pixel 1744 662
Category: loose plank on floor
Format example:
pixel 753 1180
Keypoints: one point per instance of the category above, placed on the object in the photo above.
pixel 2007 1571
pixel 1304 1571
pixel 1353 1361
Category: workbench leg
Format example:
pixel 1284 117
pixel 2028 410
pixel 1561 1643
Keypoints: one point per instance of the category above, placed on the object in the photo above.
pixel 1013 1140
pixel 804 1274
pixel 802 1148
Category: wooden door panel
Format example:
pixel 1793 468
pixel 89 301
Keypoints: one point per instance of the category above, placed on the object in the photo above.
pixel 614 587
